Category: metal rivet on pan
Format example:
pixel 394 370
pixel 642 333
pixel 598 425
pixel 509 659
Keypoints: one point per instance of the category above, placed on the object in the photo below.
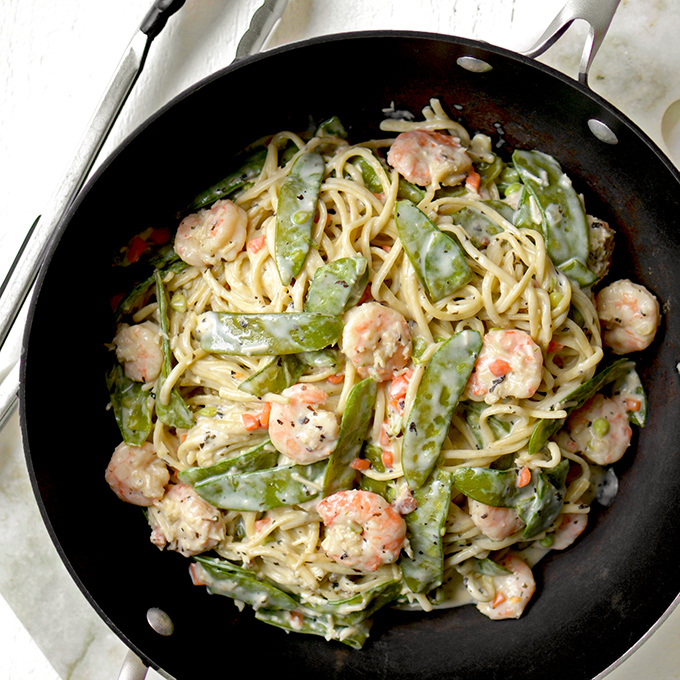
pixel 473 64
pixel 603 132
pixel 160 621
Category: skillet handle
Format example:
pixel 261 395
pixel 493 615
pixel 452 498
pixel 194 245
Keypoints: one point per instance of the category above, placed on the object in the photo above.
pixel 132 668
pixel 597 13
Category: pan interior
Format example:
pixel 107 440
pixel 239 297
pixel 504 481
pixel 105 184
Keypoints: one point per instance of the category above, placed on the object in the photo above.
pixel 593 601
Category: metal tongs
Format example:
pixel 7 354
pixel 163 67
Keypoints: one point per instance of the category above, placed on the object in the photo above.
pixel 24 270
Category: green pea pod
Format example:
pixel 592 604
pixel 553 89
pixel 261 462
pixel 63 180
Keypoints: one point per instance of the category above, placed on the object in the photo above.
pixel 175 413
pixel 409 192
pixel 332 127
pixel 629 388
pixel 224 578
pixel 263 489
pixel 563 218
pixel 322 625
pixel 353 610
pixel 166 260
pixel 471 411
pixel 369 175
pixel 295 215
pixel 547 428
pixel 247 172
pixel 491 487
pixel 280 373
pixel 437 259
pixel 538 503
pixel 487 567
pixel 578 272
pixel 259 457
pixel 266 334
pixel 425 570
pixel 322 358
pixel 478 226
pixel 130 405
pixel 337 286
pixel 436 398
pixel 356 419
pixel 489 172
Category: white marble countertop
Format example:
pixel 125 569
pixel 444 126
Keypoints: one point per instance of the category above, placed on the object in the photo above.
pixel 56 58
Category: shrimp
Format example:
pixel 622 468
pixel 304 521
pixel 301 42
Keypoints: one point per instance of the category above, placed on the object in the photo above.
pixel 600 430
pixel 363 531
pixel 495 523
pixel 629 315
pixel 212 234
pixel 136 475
pixel 377 341
pixel 424 157
pixel 184 522
pixel 571 526
pixel 298 429
pixel 509 365
pixel 138 348
pixel 512 591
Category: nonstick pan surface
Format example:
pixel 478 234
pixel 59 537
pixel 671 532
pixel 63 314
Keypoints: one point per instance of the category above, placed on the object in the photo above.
pixel 593 602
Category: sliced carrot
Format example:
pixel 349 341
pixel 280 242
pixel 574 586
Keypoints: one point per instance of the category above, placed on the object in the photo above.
pixel 263 418
pixel 384 437
pixel 160 236
pixel 632 404
pixel 387 458
pixel 183 437
pixel 554 346
pixel 136 248
pixel 116 300
pixel 399 385
pixel 499 367
pixel 263 523
pixel 499 599
pixel 366 296
pixel 296 618
pixel 336 379
pixel 250 422
pixel 524 477
pixel 473 181
pixel 360 464
pixel 256 244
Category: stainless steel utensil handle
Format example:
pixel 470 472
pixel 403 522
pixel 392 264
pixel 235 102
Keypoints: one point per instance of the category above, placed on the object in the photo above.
pixel 133 668
pixel 597 13
pixel 24 269
pixel 262 25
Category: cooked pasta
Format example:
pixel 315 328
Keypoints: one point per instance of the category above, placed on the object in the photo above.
pixel 373 374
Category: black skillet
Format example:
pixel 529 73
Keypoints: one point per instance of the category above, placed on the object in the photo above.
pixel 594 601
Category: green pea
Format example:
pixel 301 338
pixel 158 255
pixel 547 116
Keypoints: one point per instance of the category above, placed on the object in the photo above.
pixel 600 427
pixel 179 302
pixel 555 298
pixel 547 541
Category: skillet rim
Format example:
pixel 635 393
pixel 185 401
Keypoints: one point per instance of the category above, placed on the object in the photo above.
pixel 477 48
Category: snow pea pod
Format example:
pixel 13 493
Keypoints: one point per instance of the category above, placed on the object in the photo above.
pixel 538 503
pixel 546 428
pixel 353 610
pixel 472 411
pixel 323 625
pixel 332 127
pixel 337 286
pixel 438 393
pixel 409 192
pixel 224 578
pixel 258 457
pixel 175 413
pixel 561 216
pixel 425 525
pixel 295 215
pixel 373 454
pixel 247 172
pixel 266 334
pixel 280 373
pixel 130 405
pixel 437 259
pixel 263 489
pixel 478 226
pixel 369 175
pixel 356 419
pixel 629 388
